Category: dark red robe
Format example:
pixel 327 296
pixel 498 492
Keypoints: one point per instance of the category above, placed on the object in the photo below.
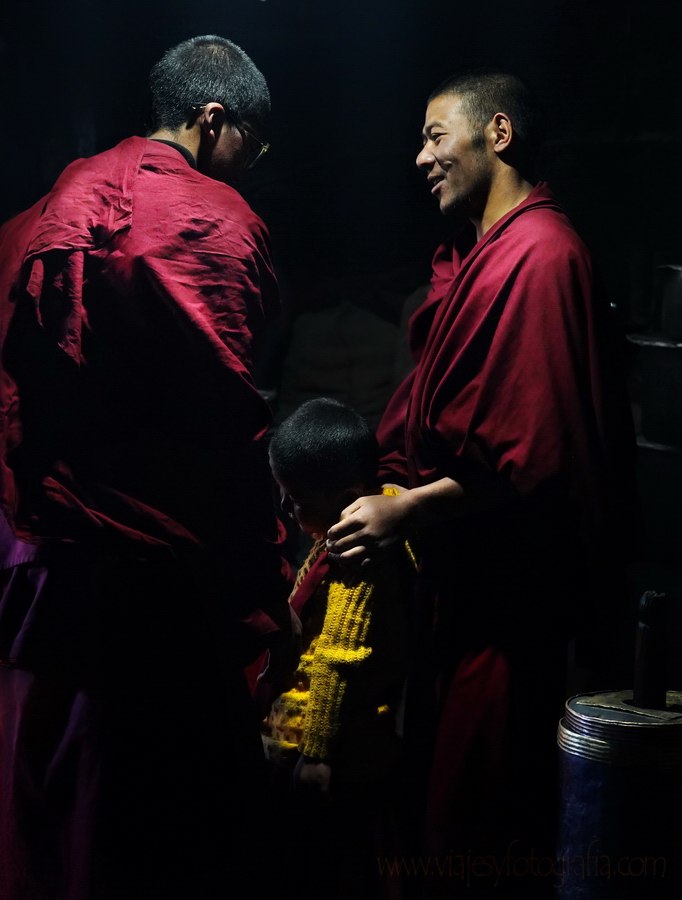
pixel 514 390
pixel 142 565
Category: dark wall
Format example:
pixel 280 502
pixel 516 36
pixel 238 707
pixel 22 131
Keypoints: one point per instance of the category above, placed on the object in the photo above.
pixel 340 191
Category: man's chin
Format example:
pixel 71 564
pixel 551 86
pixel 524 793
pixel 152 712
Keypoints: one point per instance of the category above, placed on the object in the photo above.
pixel 455 208
pixel 449 207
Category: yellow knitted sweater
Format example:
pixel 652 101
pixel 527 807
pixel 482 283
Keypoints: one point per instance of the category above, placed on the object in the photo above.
pixel 310 713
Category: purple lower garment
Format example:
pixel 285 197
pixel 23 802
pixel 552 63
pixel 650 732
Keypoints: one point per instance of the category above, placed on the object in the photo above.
pixel 131 765
pixel 48 784
pixel 14 552
pixel 48 764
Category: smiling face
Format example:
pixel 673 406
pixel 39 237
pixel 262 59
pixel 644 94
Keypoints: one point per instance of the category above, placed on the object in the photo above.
pixel 456 159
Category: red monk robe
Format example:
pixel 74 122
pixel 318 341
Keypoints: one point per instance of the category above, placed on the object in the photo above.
pixel 513 387
pixel 141 552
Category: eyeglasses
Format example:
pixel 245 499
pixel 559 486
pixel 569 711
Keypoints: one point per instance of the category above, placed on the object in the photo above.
pixel 257 152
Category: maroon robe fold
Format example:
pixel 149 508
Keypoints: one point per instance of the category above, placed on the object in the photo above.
pixel 143 565
pixel 515 388
pixel 510 371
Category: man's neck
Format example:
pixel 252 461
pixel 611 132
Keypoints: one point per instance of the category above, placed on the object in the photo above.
pixel 507 191
pixel 186 137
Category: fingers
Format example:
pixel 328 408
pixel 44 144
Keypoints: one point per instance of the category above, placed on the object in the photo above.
pixel 361 505
pixel 346 524
pixel 352 554
pixel 350 510
pixel 337 543
pixel 341 529
pixel 350 548
pixel 366 526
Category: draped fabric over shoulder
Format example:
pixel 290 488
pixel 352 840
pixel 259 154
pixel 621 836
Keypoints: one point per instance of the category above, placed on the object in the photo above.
pixel 132 464
pixel 515 389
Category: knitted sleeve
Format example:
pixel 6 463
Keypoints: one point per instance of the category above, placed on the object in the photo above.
pixel 341 647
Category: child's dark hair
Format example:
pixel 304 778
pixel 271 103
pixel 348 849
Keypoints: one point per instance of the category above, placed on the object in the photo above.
pixel 325 445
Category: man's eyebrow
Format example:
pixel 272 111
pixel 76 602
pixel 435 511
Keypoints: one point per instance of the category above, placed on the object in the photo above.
pixel 430 126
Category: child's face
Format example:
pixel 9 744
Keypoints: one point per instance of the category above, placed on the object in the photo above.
pixel 315 511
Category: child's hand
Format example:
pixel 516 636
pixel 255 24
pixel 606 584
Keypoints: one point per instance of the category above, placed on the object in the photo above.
pixel 313 773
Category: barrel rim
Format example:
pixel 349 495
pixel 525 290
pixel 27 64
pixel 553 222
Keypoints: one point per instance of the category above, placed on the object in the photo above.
pixel 617 753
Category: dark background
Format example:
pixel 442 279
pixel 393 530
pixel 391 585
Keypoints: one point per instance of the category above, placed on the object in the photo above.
pixel 347 210
pixel 339 190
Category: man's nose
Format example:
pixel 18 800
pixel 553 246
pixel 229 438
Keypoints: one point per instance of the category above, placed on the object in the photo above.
pixel 425 158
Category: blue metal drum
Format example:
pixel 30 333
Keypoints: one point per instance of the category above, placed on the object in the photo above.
pixel 620 827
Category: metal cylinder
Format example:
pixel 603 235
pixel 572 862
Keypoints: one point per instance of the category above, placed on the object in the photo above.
pixel 620 826
pixel 659 363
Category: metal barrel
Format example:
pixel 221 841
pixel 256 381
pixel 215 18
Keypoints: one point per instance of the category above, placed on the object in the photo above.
pixel 620 824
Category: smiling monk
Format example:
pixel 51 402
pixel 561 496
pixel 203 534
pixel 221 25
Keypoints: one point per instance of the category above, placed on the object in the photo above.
pixel 507 437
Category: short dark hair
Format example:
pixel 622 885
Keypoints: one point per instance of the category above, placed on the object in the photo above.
pixel 325 445
pixel 485 92
pixel 204 69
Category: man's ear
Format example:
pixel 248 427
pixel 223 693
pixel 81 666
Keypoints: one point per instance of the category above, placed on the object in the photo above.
pixel 212 120
pixel 500 132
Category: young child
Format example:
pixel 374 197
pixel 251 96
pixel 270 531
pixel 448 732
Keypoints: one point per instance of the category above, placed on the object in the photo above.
pixel 331 731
